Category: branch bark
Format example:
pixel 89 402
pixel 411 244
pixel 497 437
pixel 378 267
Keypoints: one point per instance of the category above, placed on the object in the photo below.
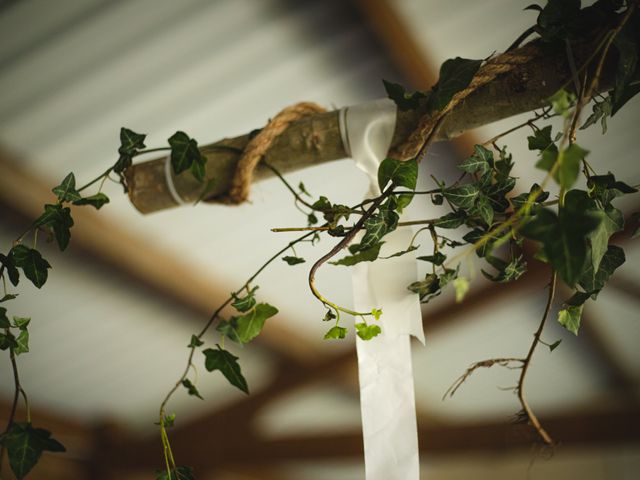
pixel 316 139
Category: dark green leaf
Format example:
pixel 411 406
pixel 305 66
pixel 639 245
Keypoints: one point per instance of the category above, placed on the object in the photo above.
pixel 484 209
pixel 97 200
pixel 450 220
pixel 569 318
pixel 377 226
pixel 293 260
pixel 634 220
pixel 336 333
pixel 32 264
pixel 12 271
pixel 412 248
pixel 401 173
pixel 481 161
pixel 7 340
pixel 184 152
pixel 25 445
pixel 437 258
pixel 601 111
pixel 250 325
pixel 191 388
pixel 22 342
pixel 130 142
pixel 401 98
pixel 59 219
pixel 303 189
pixel 329 316
pixel 66 191
pixel 612 259
pixel 4 320
pixel 570 165
pixel 228 329
pixel 228 364
pixel 541 140
pixel 8 296
pixel 475 236
pixel 179 473
pixel 554 345
pixel 627 94
pixel 507 272
pixel 366 255
pixel 366 331
pixel 555 19
pixel 605 188
pixel 626 42
pixel 612 222
pixel 195 342
pixel 455 75
pixel 246 303
pixel 437 199
pixel 577 299
pixel 463 196
pixel 312 219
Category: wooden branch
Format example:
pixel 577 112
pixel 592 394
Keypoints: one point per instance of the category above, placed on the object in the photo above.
pixel 317 139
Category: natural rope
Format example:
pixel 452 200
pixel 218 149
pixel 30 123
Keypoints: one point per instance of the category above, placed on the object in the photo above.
pixel 429 122
pixel 258 146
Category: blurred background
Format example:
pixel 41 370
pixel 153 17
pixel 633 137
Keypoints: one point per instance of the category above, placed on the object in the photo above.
pixel 110 328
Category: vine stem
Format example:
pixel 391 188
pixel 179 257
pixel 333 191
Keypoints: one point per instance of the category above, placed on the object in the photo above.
pixel 527 362
pixel 14 404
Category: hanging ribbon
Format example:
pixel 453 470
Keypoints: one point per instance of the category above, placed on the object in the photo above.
pixel 387 398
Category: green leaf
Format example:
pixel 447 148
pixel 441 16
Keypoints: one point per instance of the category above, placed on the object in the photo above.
pixel 377 226
pixel 184 153
pixel 25 445
pixel 463 196
pixel 178 473
pixel 627 94
pixel 484 209
pixel 455 75
pixel 250 325
pixel 401 98
pixel 554 345
pixel 600 111
pixel 412 248
pixel 605 188
pixel 312 219
pixel 336 333
pixel 59 219
pixel 401 173
pixel 461 287
pixel 32 264
pixel 195 342
pixel 474 236
pixel 228 365
pixel 4 320
pixel 450 220
pixel 8 296
pixel 22 342
pixel 246 303
pixel 191 388
pixel 329 316
pixel 481 161
pixel 12 271
pixel 594 282
pixel 541 140
pixel 507 272
pixel 366 255
pixel 437 258
pixel 21 322
pixel 569 318
pixel 366 331
pixel 130 142
pixel 577 299
pixel 97 200
pixel 66 191
pixel 612 222
pixel 228 329
pixel 561 102
pixel 7 340
pixel 293 260
pixel 570 160
pixel 168 420
pixel 376 312
pixel 626 42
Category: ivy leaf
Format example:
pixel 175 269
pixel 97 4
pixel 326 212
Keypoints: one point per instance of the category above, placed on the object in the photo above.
pixel 4 320
pixel 481 161
pixel 329 316
pixel 605 188
pixel 250 325
pixel 554 345
pixel 25 445
pixel 228 365
pixel 594 281
pixel 336 333
pixel 191 388
pixel 561 102
pixel 627 45
pixel 461 287
pixel 32 264
pixel 366 331
pixel 401 173
pixel 195 342
pixel 483 207
pixel 507 272
pixel 455 75
pixel 66 191
pixel 570 317
pixel 463 196
pixel 22 342
pixel 474 236
pixel 570 165
pixel 12 270
pixel 541 140
pixel 577 299
pixel 7 341
pixel 365 255
pixel 450 220
pixel 130 142
pixel 437 258
pixel 376 312
pixel 612 222
pixel 8 296
pixel 246 303
pixel 184 153
pixel 97 200
pixel 377 226
pixel 564 238
pixel 228 329
pixel 178 473
pixel 412 248
pixel 293 260
pixel 401 98
pixel 600 111
pixel 59 219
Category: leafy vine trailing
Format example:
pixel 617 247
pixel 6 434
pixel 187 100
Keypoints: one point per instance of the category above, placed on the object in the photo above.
pixel 572 231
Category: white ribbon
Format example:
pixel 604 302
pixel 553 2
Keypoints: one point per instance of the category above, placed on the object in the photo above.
pixel 387 398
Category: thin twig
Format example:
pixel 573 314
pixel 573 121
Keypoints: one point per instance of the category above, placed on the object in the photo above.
pixel 503 362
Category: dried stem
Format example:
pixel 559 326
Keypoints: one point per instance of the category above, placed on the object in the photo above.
pixel 503 362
